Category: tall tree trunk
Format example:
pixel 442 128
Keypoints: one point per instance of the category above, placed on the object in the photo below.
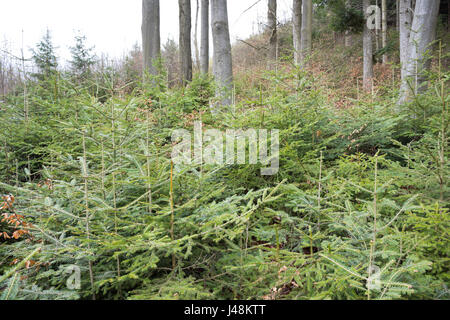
pixel 348 40
pixel 151 39
pixel 204 46
pixel 197 52
pixel 185 41
pixel 422 34
pixel 297 27
pixel 222 67
pixel 377 37
pixel 384 29
pixel 405 19
pixel 306 40
pixel 367 51
pixel 272 28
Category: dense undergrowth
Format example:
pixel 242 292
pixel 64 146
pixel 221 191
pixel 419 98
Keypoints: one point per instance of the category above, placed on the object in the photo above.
pixel 362 189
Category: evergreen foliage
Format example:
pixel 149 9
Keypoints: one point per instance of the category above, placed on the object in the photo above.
pixel 82 58
pixel 44 57
pixel 346 18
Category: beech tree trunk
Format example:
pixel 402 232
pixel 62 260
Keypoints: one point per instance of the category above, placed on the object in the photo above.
pixel 306 37
pixel 151 39
pixel 422 34
pixel 296 29
pixel 367 51
pixel 272 28
pixel 185 41
pixel 222 66
pixel 204 46
pixel 348 40
pixel 197 52
pixel 384 29
pixel 377 37
pixel 405 19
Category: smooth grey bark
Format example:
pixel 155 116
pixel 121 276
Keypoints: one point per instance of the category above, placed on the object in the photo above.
pixel 204 45
pixel 348 39
pixel 185 41
pixel 306 37
pixel 367 51
pixel 151 38
pixel 197 52
pixel 297 29
pixel 222 65
pixel 384 29
pixel 405 19
pixel 272 28
pixel 377 37
pixel 422 34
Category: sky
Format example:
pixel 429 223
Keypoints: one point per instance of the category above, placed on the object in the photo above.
pixel 111 26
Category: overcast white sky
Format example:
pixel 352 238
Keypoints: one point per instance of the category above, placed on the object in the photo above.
pixel 112 26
